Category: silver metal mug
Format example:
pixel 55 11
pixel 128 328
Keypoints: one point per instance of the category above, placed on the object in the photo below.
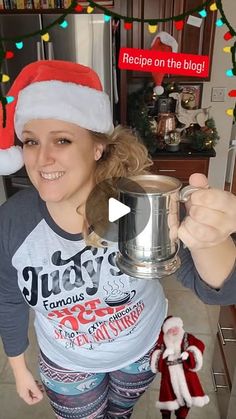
pixel 152 252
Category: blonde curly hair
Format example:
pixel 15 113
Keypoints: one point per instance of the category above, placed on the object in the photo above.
pixel 124 155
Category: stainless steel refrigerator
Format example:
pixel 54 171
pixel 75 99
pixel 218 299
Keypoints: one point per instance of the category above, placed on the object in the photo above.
pixel 87 40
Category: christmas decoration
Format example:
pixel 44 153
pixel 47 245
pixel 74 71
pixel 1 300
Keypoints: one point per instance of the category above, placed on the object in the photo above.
pixel 178 19
pixel 203 138
pixel 189 116
pixel 178 356
pixel 163 42
pixel 19 45
pixel 228 36
pixel 172 141
pixel 143 109
pixel 141 115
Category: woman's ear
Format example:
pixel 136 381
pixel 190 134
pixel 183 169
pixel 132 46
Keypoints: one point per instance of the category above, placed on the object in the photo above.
pixel 99 148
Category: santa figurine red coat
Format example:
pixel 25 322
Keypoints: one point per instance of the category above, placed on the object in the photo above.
pixel 178 356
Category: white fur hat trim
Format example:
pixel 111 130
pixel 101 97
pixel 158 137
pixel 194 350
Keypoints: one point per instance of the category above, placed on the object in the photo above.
pixel 166 39
pixel 172 322
pixel 11 160
pixel 89 108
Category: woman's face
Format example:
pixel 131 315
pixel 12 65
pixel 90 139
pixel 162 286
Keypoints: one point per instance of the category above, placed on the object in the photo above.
pixel 60 159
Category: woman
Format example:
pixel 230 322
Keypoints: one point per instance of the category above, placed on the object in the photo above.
pixel 95 325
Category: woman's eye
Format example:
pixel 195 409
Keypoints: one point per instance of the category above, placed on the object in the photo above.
pixel 29 141
pixel 64 141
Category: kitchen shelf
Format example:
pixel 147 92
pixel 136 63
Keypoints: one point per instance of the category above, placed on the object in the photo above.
pixel 33 11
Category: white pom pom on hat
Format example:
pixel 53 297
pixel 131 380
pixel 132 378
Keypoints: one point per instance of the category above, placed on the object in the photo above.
pixel 53 89
pixel 158 90
pixel 162 42
pixel 10 160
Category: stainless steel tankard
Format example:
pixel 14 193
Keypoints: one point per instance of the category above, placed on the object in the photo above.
pixel 153 252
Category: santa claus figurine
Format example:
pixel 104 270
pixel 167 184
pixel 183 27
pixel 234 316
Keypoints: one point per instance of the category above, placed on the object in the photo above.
pixel 178 356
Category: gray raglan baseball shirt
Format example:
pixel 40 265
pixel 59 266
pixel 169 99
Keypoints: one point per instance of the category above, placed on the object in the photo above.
pixel 89 316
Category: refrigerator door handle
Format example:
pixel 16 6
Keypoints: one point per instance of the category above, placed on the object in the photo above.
pixel 50 51
pixel 39 57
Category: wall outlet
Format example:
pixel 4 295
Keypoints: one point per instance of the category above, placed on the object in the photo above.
pixel 218 94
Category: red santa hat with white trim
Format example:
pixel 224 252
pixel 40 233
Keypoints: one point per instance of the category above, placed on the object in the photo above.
pixel 162 42
pixel 53 89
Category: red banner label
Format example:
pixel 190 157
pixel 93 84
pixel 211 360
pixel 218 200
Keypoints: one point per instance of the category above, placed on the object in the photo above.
pixel 164 62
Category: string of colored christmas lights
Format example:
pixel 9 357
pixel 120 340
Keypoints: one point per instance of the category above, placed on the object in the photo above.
pixel 201 9
pixel 61 21
pixel 2 98
pixel 152 26
pixel 179 24
pixel 228 36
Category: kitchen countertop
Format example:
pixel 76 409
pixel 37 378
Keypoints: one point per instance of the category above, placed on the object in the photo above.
pixel 184 151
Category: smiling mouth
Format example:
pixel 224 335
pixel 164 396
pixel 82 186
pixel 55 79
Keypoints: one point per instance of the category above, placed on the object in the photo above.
pixel 52 176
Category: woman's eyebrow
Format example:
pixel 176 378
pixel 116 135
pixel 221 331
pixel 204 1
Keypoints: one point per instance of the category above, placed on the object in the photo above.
pixel 27 132
pixel 61 131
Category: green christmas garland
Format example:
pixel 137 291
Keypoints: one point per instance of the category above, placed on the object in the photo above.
pixel 139 115
pixel 203 138
pixel 142 112
pixel 142 115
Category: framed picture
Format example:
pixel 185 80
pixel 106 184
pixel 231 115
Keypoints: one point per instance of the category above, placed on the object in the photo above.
pixel 191 95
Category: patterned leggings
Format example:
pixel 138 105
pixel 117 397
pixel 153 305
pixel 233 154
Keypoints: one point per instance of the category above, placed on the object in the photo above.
pixel 76 395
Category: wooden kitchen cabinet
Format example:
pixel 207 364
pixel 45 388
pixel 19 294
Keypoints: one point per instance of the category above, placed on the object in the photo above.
pixel 140 37
pixel 224 363
pixel 180 167
pixel 193 40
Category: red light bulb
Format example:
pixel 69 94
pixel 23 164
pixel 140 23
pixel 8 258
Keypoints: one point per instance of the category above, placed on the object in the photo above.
pixel 179 24
pixel 78 8
pixel 232 93
pixel 228 36
pixel 128 25
pixel 9 54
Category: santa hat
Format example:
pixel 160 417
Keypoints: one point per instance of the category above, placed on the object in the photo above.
pixel 54 89
pixel 163 42
pixel 170 322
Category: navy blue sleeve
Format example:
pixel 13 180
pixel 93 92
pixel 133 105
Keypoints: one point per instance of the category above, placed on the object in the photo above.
pixel 14 311
pixel 189 277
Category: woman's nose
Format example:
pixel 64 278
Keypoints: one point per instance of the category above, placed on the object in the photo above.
pixel 45 156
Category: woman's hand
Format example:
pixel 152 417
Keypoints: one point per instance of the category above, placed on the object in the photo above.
pixel 211 216
pixel 28 389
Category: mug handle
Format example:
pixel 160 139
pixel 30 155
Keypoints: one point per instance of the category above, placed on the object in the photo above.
pixel 187 191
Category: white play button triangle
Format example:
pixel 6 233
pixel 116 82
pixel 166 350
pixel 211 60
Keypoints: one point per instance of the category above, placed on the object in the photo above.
pixel 116 209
